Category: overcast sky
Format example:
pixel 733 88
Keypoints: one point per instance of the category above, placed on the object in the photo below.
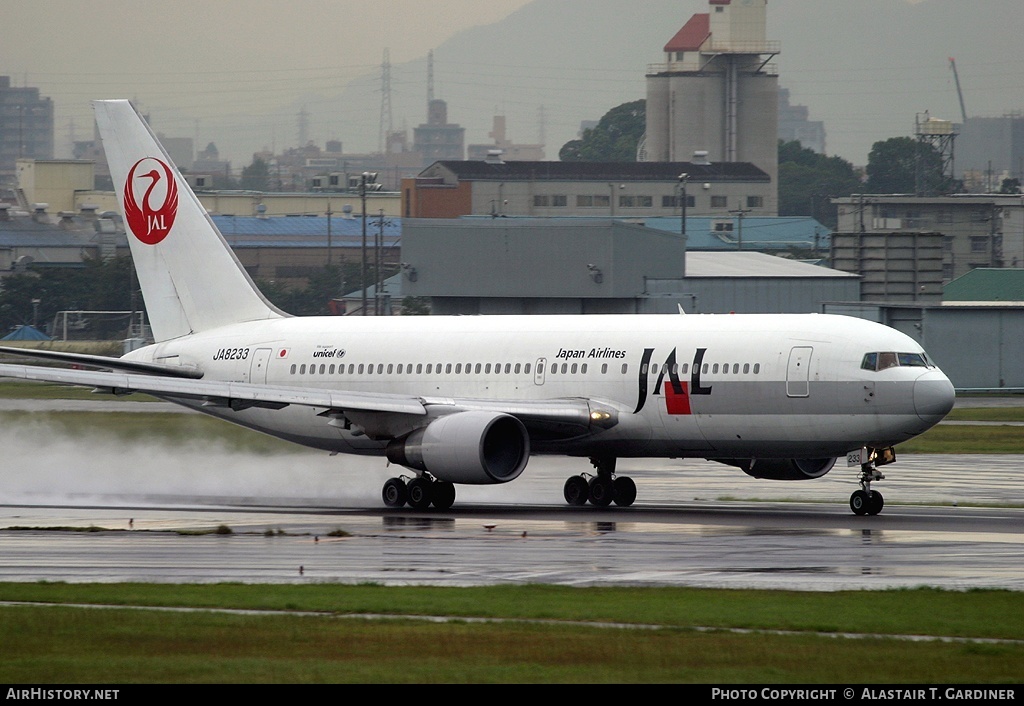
pixel 239 72
pixel 208 57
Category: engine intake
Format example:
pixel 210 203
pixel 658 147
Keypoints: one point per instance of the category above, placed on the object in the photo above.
pixel 476 448
pixel 782 468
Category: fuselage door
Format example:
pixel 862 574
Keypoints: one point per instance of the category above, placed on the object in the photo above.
pixel 538 372
pixel 799 371
pixel 258 367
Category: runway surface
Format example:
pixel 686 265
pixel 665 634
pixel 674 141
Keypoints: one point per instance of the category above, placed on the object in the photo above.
pixel 695 523
pixel 676 541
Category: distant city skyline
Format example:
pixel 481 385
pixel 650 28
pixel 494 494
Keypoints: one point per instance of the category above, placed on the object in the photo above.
pixel 198 66
pixel 238 74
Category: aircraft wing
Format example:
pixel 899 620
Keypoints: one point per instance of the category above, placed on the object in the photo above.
pixel 382 415
pixel 235 395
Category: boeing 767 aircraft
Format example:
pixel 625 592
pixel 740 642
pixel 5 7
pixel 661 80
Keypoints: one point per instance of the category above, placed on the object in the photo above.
pixel 469 399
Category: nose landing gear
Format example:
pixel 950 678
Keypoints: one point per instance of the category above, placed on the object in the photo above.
pixel 867 501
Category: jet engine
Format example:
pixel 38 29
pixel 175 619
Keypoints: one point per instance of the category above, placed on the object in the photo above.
pixel 782 468
pixel 476 447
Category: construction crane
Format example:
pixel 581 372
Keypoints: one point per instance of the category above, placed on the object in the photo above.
pixel 959 93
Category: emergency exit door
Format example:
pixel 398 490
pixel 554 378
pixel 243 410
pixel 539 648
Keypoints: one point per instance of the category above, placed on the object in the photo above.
pixel 798 373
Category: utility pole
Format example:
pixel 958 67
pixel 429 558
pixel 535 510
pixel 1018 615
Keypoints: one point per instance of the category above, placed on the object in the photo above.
pixel 740 213
pixel 378 306
pixel 367 182
pixel 329 232
pixel 683 179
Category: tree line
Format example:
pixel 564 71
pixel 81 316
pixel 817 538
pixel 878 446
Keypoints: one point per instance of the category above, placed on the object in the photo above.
pixel 807 180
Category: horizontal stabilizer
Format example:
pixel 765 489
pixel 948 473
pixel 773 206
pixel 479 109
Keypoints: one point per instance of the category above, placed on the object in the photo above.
pixel 102 361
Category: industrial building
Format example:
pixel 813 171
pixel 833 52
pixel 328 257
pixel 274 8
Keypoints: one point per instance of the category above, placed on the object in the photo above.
pixel 283 250
pixel 716 90
pixel 894 267
pixel 68 185
pixel 527 266
pixel 980 230
pixel 989 150
pixel 449 189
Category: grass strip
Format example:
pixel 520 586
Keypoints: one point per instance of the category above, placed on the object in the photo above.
pixel 954 439
pixel 979 614
pixel 70 645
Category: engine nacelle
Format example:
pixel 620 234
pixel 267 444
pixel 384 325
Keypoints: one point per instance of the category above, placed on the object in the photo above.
pixel 476 448
pixel 782 468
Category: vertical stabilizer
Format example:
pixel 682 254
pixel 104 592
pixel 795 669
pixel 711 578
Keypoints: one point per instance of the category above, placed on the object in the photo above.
pixel 190 279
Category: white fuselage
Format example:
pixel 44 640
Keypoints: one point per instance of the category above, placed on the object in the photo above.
pixel 712 386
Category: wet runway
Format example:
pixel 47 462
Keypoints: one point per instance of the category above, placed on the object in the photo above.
pixel 668 538
pixel 949 521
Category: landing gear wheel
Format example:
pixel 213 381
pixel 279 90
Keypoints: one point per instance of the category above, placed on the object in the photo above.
pixel 867 501
pixel 421 492
pixel 395 492
pixel 602 491
pixel 625 491
pixel 860 502
pixel 444 495
pixel 576 491
pixel 876 503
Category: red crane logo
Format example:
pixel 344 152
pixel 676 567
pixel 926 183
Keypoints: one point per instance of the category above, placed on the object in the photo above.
pixel 151 225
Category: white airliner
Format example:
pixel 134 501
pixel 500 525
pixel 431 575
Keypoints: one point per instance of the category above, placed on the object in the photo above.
pixel 469 399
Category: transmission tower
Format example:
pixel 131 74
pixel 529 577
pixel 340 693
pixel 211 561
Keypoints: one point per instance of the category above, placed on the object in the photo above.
pixel 386 122
pixel 430 78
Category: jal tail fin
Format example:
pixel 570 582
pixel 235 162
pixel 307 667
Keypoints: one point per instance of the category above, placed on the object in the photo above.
pixel 190 278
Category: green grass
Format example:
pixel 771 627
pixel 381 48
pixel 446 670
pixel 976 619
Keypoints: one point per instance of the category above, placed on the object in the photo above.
pixel 923 611
pixel 64 644
pixel 987 414
pixel 953 439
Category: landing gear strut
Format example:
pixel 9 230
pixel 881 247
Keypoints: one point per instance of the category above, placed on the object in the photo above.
pixel 600 490
pixel 867 501
pixel 419 493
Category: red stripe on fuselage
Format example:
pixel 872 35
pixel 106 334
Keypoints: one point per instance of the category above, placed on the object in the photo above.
pixel 677 401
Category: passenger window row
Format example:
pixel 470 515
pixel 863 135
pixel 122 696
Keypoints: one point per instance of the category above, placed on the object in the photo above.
pixel 365 369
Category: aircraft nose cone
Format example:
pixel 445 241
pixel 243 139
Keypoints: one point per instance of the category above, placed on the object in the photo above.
pixel 933 396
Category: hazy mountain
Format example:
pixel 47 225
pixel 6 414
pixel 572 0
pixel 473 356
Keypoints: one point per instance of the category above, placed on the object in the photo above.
pixel 865 68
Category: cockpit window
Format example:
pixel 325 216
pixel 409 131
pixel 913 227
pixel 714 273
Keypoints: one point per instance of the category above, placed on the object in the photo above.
pixel 886 360
pixel 912 360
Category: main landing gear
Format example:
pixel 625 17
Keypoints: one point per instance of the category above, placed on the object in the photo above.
pixel 419 493
pixel 867 501
pixel 600 490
